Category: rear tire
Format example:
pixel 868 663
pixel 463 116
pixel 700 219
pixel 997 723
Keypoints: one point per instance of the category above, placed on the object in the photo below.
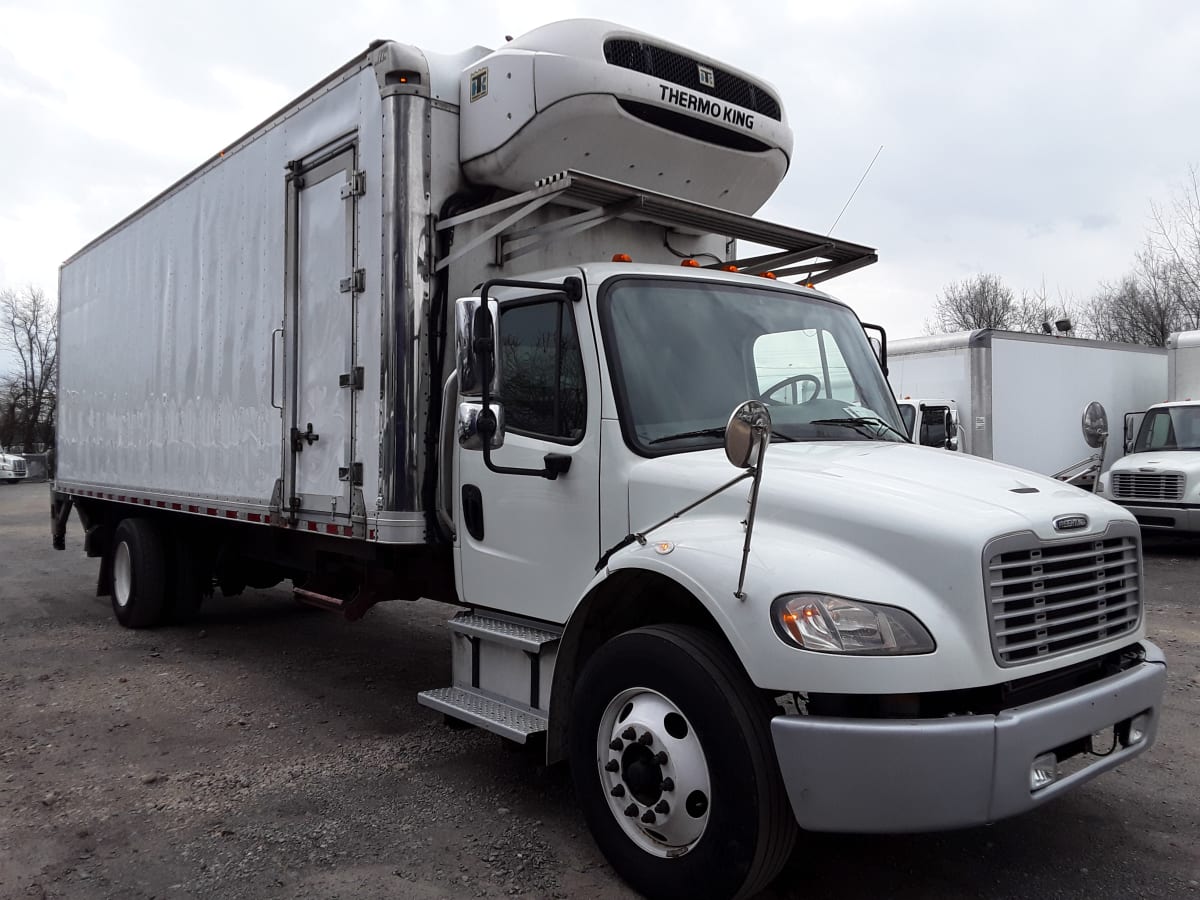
pixel 190 576
pixel 138 574
pixel 691 804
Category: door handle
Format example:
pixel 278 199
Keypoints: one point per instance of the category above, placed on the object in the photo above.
pixel 278 406
pixel 299 437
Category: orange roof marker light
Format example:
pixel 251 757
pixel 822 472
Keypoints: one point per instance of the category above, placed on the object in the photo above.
pixel 770 275
pixel 690 263
pixel 730 269
pixel 622 257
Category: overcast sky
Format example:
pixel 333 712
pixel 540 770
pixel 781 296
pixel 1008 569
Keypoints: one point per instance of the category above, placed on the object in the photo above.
pixel 1024 139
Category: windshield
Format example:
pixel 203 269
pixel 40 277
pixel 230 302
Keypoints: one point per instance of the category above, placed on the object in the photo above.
pixel 685 353
pixel 1172 428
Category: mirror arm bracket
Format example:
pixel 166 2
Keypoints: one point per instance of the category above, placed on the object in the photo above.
pixel 640 536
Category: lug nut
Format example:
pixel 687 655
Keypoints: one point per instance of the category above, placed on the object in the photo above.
pixel 618 790
pixel 661 757
pixel 647 738
pixel 668 784
pixel 615 744
pixel 648 817
pixel 662 807
pixel 631 810
pixel 612 766
pixel 629 734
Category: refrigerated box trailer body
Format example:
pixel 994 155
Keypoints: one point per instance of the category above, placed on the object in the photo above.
pixel 1020 396
pixel 359 350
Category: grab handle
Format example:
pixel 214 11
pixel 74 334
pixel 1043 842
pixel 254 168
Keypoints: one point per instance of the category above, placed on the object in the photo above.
pixel 278 406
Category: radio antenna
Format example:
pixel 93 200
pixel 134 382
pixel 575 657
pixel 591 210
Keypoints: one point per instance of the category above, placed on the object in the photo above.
pixel 855 191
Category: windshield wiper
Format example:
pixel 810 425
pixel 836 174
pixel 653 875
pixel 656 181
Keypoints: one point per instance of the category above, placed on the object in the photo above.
pixel 715 431
pixel 855 422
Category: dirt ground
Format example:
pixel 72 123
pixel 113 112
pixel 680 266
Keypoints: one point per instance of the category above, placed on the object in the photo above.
pixel 273 751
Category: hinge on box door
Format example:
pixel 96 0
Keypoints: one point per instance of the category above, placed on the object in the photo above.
pixel 351 473
pixel 354 283
pixel 352 379
pixel 356 186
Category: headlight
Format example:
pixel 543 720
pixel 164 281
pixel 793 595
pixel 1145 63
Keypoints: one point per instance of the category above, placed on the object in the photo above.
pixel 837 625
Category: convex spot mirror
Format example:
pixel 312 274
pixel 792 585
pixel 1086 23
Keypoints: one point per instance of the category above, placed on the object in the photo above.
pixel 744 433
pixel 1095 425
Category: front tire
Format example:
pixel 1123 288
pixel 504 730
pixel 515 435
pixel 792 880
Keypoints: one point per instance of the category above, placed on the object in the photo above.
pixel 138 572
pixel 674 767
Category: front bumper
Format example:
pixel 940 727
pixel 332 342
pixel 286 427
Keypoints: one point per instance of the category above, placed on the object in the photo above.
pixel 888 776
pixel 1166 518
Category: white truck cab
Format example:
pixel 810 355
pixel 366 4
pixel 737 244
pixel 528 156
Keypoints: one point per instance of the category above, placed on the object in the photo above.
pixel 13 468
pixel 931 422
pixel 1159 478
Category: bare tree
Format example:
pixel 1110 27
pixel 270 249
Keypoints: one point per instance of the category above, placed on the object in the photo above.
pixel 30 330
pixel 1175 234
pixel 983 301
pixel 1145 305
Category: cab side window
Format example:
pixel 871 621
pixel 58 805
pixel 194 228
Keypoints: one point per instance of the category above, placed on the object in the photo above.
pixel 933 426
pixel 541 370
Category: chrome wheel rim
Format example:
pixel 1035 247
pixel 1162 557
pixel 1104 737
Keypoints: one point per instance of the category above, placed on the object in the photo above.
pixel 653 772
pixel 122 575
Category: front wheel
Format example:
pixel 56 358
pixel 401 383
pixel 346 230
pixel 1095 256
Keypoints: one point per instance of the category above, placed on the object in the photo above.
pixel 673 765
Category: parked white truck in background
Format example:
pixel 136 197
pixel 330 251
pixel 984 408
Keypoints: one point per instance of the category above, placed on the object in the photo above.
pixel 1019 396
pixel 1159 478
pixel 265 376
pixel 13 467
pixel 931 422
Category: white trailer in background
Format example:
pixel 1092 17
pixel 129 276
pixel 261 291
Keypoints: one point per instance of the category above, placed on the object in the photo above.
pixel 1019 396
pixel 1159 478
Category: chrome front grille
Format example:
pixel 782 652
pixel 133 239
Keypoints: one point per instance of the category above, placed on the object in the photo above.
pixel 1148 485
pixel 1046 598
pixel 18 468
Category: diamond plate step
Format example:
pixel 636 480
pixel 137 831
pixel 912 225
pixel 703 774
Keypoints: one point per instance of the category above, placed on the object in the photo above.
pixel 496 716
pixel 500 631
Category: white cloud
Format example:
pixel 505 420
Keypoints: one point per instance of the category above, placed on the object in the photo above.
pixel 1025 139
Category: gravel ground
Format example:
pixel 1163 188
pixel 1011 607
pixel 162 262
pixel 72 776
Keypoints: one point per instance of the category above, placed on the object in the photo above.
pixel 273 751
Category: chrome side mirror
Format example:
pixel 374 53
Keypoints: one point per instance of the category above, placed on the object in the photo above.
pixel 1095 425
pixel 470 376
pixel 469 413
pixel 747 434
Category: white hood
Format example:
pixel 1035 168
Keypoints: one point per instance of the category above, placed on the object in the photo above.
pixel 883 522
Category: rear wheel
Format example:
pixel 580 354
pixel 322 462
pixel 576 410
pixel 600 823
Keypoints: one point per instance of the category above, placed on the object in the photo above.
pixel 190 576
pixel 673 765
pixel 138 574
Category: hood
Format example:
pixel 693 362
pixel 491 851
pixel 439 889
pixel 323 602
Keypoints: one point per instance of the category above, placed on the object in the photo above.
pixel 889 523
pixel 1153 461
pixel 857 487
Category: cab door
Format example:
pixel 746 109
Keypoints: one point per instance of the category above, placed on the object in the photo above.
pixel 527 544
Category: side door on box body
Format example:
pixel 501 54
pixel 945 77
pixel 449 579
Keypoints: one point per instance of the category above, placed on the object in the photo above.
pixel 321 374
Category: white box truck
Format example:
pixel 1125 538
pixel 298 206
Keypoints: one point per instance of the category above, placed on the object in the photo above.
pixel 360 350
pixel 1158 480
pixel 1017 398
